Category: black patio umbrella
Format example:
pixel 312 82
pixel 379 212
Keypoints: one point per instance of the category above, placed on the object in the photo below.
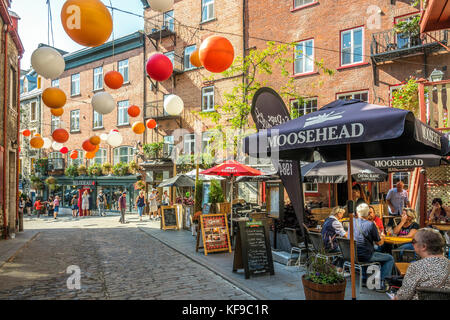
pixel 345 130
pixel 179 180
pixel 406 163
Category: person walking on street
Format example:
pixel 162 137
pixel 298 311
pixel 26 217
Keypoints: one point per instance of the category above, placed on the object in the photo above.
pixel 38 206
pixel 101 203
pixel 74 204
pixel 49 206
pixel 28 206
pixel 84 204
pixel 90 201
pixel 55 207
pixel 122 206
pixel 165 199
pixel 140 203
pixel 153 205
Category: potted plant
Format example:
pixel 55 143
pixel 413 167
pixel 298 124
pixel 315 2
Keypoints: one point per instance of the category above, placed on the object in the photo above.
pixel 139 185
pixel 215 194
pixel 71 171
pixel 106 168
pixel 82 170
pixel 36 183
pixel 322 281
pixel 51 183
pixel 153 150
pixel 120 169
pixel 133 167
pixel 95 170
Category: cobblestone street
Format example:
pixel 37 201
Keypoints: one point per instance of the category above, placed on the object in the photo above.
pixel 116 262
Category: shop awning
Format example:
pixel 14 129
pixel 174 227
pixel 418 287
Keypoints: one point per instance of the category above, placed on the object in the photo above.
pixel 179 180
pixel 436 16
pixel 407 163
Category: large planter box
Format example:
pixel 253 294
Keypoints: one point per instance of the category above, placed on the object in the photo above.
pixel 315 291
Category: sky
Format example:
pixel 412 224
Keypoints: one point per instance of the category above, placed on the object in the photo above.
pixel 34 21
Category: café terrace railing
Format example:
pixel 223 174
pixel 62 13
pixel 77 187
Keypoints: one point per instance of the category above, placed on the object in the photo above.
pixel 438 105
pixel 155 110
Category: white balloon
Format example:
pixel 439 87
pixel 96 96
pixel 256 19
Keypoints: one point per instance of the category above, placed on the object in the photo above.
pixel 103 103
pixel 57 146
pixel 115 139
pixel 48 62
pixel 173 105
pixel 47 143
pixel 104 137
pixel 161 5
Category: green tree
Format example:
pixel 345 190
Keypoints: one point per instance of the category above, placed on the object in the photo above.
pixel 215 193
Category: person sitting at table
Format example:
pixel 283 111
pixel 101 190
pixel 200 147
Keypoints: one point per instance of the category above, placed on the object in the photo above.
pixel 331 229
pixel 407 228
pixel 438 212
pixel 365 235
pixel 376 219
pixel 358 195
pixel 430 271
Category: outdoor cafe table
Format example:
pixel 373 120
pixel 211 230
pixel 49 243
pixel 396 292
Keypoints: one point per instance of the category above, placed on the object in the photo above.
pixel 397 240
pixel 441 226
pixel 402 267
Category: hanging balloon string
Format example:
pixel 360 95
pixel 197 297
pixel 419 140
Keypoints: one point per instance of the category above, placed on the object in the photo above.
pixel 50 24
pixel 113 34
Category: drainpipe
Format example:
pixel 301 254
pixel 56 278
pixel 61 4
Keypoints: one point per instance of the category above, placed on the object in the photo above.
pixel 5 30
pixel 18 140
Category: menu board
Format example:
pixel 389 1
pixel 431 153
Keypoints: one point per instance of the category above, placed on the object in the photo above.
pixel 215 233
pixel 169 217
pixel 253 252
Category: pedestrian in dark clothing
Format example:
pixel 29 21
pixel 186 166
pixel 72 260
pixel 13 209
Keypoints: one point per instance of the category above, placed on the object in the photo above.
pixel 122 206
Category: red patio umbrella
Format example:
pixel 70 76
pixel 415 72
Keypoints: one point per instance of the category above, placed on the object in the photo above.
pixel 232 168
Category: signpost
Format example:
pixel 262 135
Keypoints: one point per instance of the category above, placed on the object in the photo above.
pixel 215 234
pixel 169 217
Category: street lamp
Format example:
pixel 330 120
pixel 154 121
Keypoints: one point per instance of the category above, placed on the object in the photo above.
pixel 436 75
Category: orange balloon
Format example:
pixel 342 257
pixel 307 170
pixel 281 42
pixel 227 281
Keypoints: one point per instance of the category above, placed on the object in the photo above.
pixel 195 59
pixel 87 22
pixel 216 54
pixel 95 140
pixel 113 79
pixel 90 155
pixel 88 146
pixel 151 124
pixel 74 154
pixel 97 147
pixel 138 128
pixel 37 142
pixel 36 135
pixel 54 98
pixel 57 112
pixel 134 111
pixel 60 135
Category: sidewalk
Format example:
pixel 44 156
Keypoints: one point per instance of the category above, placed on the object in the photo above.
pixel 10 248
pixel 284 285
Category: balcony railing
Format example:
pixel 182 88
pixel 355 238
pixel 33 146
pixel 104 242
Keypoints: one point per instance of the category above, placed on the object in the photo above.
pixel 155 110
pixel 389 45
pixel 56 165
pixel 159 26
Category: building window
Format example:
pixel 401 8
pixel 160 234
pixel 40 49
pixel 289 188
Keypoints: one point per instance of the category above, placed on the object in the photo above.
pixel 304 57
pixel 189 144
pixel 168 146
pixel 123 154
pixel 187 57
pixel 169 21
pixel 13 89
pixel 300 109
pixel 55 155
pixel 123 69
pixel 74 120
pixel 352 46
pixel 406 39
pixel 360 95
pixel 55 83
pixel 401 176
pixel 206 141
pixel 100 157
pixel 33 111
pixel 207 10
pixel 78 161
pixel 171 56
pixel 310 187
pixel 208 99
pixel 98 120
pixel 56 122
pixel 98 78
pixel 122 113
pixel 75 87
pixel 301 3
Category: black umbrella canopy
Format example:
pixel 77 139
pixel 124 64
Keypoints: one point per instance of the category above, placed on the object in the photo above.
pixel 180 180
pixel 406 163
pixel 336 172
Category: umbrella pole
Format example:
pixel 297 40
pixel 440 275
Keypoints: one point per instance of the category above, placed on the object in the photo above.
pixel 231 206
pixel 352 243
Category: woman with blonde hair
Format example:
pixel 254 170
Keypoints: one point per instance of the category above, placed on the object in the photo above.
pixel 407 228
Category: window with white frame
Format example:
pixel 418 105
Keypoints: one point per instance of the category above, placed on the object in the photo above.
pixel 401 176
pixel 123 69
pixel 123 154
pixel 75 84
pixel 207 10
pixel 98 78
pixel 55 83
pixel 359 95
pixel 310 187
pixel 171 56
pixel 55 155
pixel 169 21
pixel 79 160
pixel 304 57
pixel 208 98
pixel 168 145
pixel 33 111
pixel 56 123
pixel 352 46
pixel 187 57
pixel 75 120
pixel 189 144
pixel 301 3
pixel 100 157
pixel 98 120
pixel 122 113
pixel 300 109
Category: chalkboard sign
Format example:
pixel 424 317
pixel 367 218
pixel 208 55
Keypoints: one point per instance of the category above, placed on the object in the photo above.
pixel 215 233
pixel 169 217
pixel 253 252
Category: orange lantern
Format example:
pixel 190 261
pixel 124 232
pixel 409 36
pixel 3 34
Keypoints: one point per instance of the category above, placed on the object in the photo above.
pixel 195 59
pixel 37 142
pixel 113 79
pixel 26 133
pixel 88 146
pixel 74 154
pixel 90 155
pixel 60 135
pixel 54 98
pixel 134 111
pixel 36 135
pixel 95 140
pixel 87 22
pixel 151 124
pixel 138 128
pixel 57 112
pixel 216 54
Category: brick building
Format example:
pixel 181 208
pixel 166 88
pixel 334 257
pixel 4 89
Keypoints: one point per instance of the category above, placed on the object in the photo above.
pixel 11 51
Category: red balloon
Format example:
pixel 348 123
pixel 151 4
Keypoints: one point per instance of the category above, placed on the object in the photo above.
pixel 134 111
pixel 151 124
pixel 64 150
pixel 60 135
pixel 26 133
pixel 114 79
pixel 88 146
pixel 216 54
pixel 159 67
pixel 74 154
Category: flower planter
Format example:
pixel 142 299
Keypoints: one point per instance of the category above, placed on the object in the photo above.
pixel 316 291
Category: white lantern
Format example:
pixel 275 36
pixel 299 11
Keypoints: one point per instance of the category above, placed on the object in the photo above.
pixel 173 105
pixel 103 103
pixel 115 139
pixel 57 146
pixel 103 137
pixel 47 143
pixel 161 5
pixel 48 62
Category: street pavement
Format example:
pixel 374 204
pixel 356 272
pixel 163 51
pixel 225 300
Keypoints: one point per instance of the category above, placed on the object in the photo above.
pixel 116 261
